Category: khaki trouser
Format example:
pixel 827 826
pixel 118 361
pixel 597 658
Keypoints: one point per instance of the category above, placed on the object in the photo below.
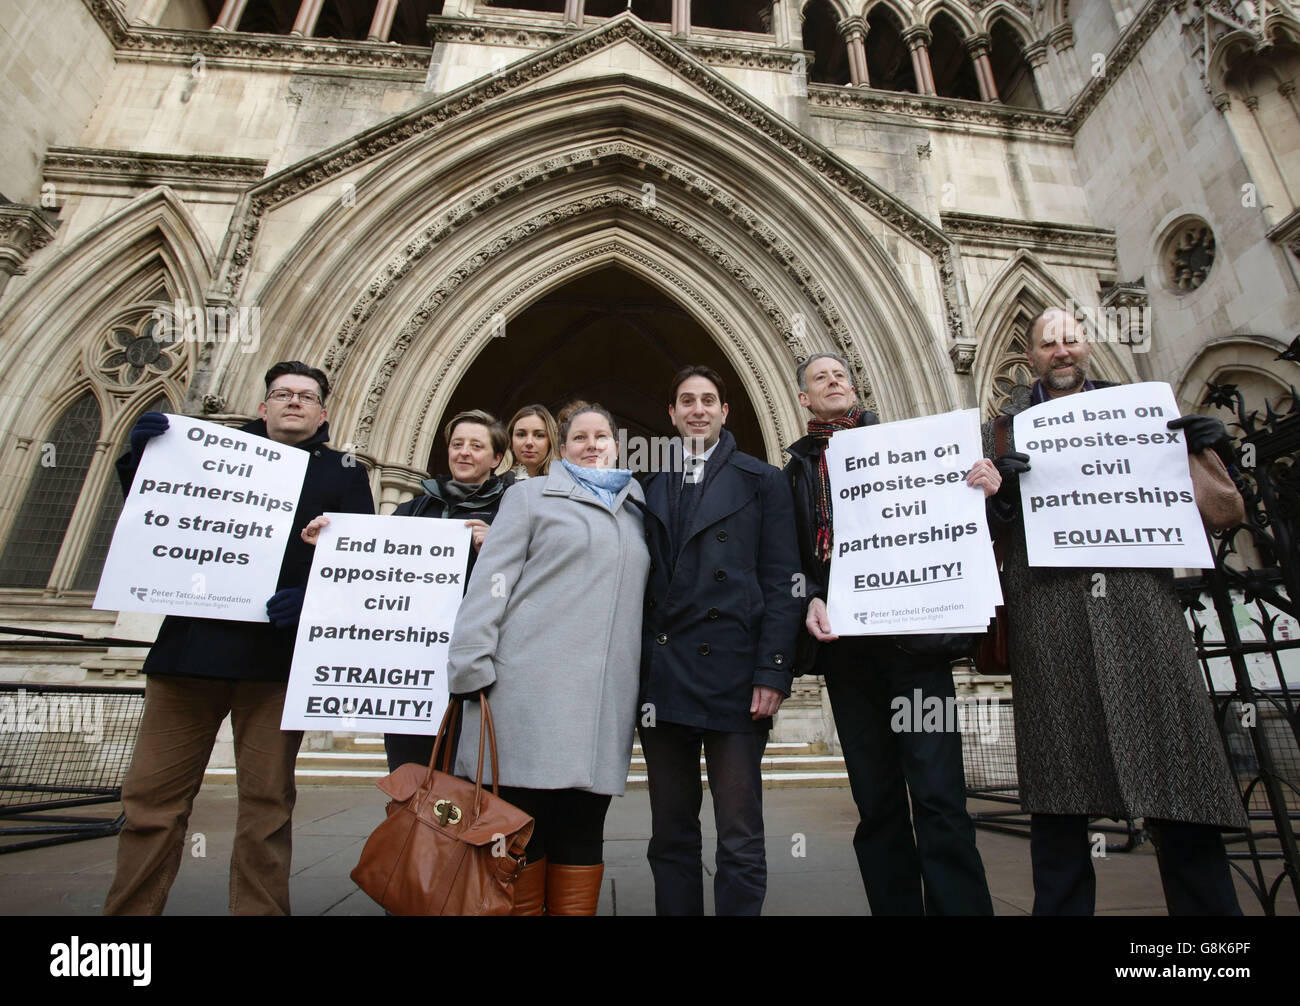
pixel 177 730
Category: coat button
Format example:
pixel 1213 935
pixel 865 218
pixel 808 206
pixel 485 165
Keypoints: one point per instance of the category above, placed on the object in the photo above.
pixel 719 575
pixel 779 659
pixel 652 567
pixel 650 603
pixel 661 638
pixel 722 536
pixel 713 613
pixel 704 649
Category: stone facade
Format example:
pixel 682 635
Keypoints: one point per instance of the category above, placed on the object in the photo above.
pixel 380 203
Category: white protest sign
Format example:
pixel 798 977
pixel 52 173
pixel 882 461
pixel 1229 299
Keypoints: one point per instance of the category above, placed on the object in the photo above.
pixel 205 525
pixel 911 550
pixel 1108 484
pixel 371 652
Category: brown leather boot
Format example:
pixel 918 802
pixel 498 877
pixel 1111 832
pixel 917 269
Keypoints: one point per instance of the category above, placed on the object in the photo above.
pixel 573 890
pixel 530 889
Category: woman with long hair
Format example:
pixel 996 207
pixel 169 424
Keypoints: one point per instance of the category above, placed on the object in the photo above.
pixel 551 630
pixel 533 443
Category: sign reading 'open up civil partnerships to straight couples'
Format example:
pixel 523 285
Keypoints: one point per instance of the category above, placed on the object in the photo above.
pixel 911 552
pixel 371 651
pixel 204 527
pixel 1108 483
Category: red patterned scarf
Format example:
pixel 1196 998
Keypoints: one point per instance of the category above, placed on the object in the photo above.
pixel 823 429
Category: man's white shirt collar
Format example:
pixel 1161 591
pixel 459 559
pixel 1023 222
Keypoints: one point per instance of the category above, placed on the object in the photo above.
pixel 694 463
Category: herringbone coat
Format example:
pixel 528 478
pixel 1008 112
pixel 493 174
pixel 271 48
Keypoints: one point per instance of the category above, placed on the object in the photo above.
pixel 1111 711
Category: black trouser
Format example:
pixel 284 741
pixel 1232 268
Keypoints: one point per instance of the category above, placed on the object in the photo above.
pixel 403 748
pixel 1193 866
pixel 863 678
pixel 734 762
pixel 568 824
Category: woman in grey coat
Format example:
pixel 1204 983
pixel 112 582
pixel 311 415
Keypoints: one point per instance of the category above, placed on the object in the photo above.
pixel 551 628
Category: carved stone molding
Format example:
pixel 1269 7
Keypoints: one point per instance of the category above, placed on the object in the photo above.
pixel 82 164
pixel 475 334
pixel 1005 232
pixel 962 355
pixel 284 185
pixel 942 111
pixel 1287 233
pixel 1117 61
pixel 23 230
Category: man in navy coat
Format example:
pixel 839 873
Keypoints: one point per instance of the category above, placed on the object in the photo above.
pixel 720 624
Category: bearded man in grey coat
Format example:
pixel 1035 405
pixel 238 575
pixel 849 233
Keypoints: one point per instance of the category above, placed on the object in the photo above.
pixel 1112 716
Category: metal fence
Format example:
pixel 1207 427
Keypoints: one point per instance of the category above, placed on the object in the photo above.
pixel 62 747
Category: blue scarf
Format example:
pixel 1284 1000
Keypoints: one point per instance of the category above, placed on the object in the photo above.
pixel 603 483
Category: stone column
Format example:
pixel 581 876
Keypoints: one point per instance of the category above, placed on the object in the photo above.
pixel 978 47
pixel 854 32
pixel 231 12
pixel 1061 39
pixel 304 25
pixel 917 37
pixel 681 18
pixel 1036 57
pixel 572 13
pixel 381 25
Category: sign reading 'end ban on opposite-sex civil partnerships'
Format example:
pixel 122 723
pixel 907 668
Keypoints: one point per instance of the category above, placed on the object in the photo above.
pixel 371 652
pixel 1108 483
pixel 911 551
pixel 204 528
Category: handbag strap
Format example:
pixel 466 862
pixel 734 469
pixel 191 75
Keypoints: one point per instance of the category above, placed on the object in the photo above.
pixel 450 721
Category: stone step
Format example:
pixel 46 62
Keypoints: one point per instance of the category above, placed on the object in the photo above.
pixel 784 765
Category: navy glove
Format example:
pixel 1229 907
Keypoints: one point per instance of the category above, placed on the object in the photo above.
pixel 1202 432
pixel 285 606
pixel 1011 466
pixel 148 426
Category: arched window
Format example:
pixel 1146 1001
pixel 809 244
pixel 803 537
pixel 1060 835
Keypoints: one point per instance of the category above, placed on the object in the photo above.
pixel 110 507
pixel 954 73
pixel 646 10
pixel 344 20
pixel 61 463
pixel 411 22
pixel 1011 71
pixel 271 17
pixel 889 61
pixel 821 34
pixel 542 6
pixel 729 15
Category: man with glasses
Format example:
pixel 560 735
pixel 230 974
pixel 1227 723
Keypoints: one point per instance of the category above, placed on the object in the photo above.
pixel 199 670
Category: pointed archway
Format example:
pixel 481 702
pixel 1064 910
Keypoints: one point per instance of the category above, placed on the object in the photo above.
pixel 606 336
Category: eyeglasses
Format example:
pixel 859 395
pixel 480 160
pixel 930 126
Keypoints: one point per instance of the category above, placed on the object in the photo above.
pixel 283 397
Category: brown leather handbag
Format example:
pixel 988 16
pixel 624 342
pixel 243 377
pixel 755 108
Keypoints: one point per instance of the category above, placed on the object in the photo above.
pixel 1217 496
pixel 446 846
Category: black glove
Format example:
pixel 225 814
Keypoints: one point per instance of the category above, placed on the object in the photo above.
pixel 1011 466
pixel 285 606
pixel 148 426
pixel 1202 433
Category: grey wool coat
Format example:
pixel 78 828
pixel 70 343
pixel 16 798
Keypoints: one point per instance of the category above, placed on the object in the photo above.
pixel 1111 711
pixel 551 627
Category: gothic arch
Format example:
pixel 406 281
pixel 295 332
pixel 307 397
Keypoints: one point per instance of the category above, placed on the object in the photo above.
pixel 1249 361
pixel 762 251
pixel 1015 19
pixel 925 13
pixel 1021 290
pixel 900 10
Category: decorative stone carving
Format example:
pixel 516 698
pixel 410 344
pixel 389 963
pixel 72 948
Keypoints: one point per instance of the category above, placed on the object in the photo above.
pixel 1005 232
pixel 23 230
pixel 130 353
pixel 941 110
pixel 1189 255
pixel 79 164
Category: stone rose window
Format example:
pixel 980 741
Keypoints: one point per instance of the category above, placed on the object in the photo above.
pixel 1189 255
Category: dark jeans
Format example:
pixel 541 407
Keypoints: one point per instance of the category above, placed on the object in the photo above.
pixel 734 762
pixel 863 677
pixel 1193 866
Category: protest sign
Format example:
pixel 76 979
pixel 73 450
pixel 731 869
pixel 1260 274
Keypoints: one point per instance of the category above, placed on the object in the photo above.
pixel 204 528
pixel 911 552
pixel 371 652
pixel 1108 484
